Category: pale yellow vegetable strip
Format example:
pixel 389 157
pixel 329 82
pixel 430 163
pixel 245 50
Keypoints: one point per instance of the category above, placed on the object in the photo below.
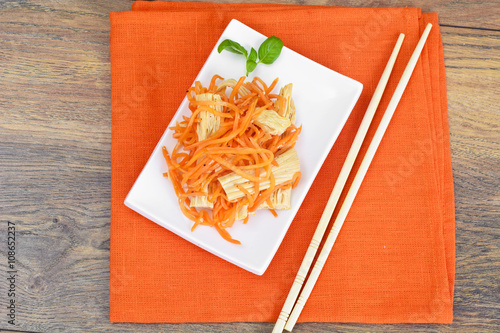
pixel 288 165
pixel 280 199
pixel 271 122
pixel 242 212
pixel 289 111
pixel 207 126
pixel 209 123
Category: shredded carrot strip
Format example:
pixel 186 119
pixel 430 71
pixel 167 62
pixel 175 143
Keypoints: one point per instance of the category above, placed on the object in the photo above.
pixel 248 194
pixel 262 83
pixel 212 82
pixel 271 87
pixel 236 145
pixel 273 212
pixel 264 195
pixel 296 179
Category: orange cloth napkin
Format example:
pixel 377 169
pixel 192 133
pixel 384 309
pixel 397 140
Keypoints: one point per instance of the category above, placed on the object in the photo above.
pixel 394 260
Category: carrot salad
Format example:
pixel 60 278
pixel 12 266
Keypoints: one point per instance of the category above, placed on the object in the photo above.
pixel 235 152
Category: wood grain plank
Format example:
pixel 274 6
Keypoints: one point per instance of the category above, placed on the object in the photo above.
pixel 457 13
pixel 473 76
pixel 55 165
pixel 462 13
pixel 55 147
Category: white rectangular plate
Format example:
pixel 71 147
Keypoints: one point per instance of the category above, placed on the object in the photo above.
pixel 324 100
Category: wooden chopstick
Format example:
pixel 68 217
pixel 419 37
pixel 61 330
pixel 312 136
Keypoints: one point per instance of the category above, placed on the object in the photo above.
pixel 351 194
pixel 337 190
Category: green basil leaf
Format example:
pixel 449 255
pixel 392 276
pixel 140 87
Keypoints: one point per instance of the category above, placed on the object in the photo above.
pixel 233 47
pixel 270 50
pixel 251 64
pixel 253 55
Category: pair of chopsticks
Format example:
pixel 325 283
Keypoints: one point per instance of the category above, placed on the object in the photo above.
pixel 293 304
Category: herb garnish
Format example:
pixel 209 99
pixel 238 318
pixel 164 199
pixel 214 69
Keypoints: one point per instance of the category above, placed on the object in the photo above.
pixel 269 51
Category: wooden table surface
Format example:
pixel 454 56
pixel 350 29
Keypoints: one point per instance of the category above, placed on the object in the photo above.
pixel 55 139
